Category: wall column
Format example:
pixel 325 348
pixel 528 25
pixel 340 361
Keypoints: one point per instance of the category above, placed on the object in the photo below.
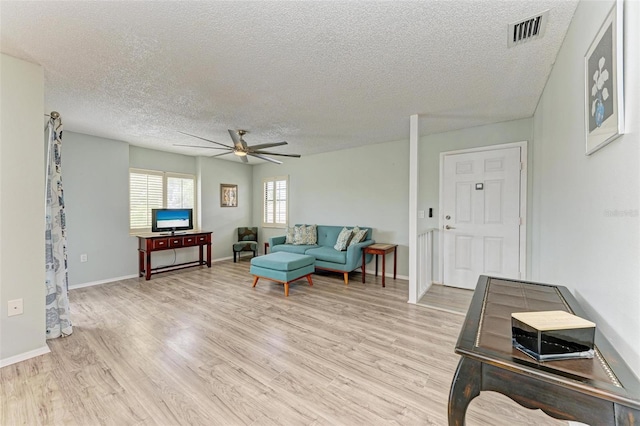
pixel 413 208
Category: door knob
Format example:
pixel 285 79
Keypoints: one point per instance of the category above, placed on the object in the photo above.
pixel 449 227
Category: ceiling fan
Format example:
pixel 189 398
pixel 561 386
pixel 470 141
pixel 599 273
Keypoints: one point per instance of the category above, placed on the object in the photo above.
pixel 241 149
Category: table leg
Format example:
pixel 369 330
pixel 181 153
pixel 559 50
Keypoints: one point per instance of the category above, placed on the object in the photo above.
pixel 465 386
pixel 384 267
pixel 376 265
pixel 140 263
pixel 364 268
pixel 148 267
pixel 208 255
pixel 395 261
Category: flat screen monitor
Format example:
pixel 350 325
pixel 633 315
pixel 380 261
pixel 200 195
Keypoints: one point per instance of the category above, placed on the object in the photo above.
pixel 171 220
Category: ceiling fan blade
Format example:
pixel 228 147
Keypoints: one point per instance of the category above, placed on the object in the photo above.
pixel 266 145
pixel 238 142
pixel 218 155
pixel 276 153
pixel 262 157
pixel 217 143
pixel 201 146
pixel 244 158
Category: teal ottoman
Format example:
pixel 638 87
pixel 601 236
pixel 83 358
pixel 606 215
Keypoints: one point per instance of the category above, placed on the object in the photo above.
pixel 282 267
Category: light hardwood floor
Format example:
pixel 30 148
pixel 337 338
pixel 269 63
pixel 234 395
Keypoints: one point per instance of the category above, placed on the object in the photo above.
pixel 449 299
pixel 202 347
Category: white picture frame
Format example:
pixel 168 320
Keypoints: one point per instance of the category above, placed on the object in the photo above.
pixel 604 91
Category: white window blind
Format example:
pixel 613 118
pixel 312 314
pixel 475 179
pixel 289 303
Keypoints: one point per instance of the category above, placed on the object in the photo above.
pixel 180 192
pixel 275 201
pixel 151 189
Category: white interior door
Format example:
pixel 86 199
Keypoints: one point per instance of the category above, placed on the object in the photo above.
pixel 481 216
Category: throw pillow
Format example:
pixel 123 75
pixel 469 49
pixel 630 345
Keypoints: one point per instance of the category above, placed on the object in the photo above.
pixel 290 235
pixel 358 236
pixel 299 235
pixel 311 235
pixel 343 239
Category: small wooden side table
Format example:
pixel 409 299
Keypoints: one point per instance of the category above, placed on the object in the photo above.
pixel 380 249
pixel 266 247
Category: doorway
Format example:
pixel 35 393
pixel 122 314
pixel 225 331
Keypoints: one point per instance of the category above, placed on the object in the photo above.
pixel 482 213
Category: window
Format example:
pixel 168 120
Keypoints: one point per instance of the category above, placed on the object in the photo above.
pixel 275 211
pixel 150 189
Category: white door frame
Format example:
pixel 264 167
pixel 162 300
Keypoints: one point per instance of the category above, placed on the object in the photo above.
pixel 523 201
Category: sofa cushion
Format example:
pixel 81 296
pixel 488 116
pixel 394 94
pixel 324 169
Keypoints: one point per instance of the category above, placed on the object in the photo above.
pixel 328 254
pixel 310 234
pixel 343 239
pixel 299 234
pixel 290 248
pixel 359 235
pixel 290 235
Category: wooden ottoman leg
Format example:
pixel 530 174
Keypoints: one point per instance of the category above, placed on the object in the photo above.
pixel 309 279
pixel 255 280
pixel 286 289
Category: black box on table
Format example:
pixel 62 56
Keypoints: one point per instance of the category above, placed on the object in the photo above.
pixel 552 335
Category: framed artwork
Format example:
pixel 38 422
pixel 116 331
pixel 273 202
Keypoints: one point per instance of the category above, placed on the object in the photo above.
pixel 604 95
pixel 228 195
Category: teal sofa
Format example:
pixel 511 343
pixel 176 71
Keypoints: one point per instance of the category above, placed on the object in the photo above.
pixel 326 257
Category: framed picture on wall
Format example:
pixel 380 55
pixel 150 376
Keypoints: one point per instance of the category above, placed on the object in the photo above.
pixel 228 195
pixel 604 95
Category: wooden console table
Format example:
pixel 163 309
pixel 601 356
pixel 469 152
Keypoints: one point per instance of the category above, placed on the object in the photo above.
pixel 148 243
pixel 380 249
pixel 597 391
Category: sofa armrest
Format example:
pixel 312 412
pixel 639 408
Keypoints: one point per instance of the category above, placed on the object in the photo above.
pixel 354 253
pixel 274 241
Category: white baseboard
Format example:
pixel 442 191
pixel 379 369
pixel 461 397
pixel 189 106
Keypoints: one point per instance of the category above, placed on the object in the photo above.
pixel 24 356
pixel 388 274
pixel 108 280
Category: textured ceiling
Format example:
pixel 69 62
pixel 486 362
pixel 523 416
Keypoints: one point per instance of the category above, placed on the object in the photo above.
pixel 322 75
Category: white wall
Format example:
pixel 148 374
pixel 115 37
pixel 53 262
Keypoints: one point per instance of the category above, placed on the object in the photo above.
pixel 366 186
pixel 22 191
pixel 429 151
pixel 224 221
pixel 150 159
pixel 96 180
pixel 578 240
pixel 95 175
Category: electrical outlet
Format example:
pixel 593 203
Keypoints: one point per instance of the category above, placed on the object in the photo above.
pixel 83 257
pixel 14 307
pixel 420 214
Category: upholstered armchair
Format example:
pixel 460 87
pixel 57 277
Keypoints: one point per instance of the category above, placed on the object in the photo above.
pixel 247 241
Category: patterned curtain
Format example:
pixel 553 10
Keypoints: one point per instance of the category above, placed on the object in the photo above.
pixel 58 318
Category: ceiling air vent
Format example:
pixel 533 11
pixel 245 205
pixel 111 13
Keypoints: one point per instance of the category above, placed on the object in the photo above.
pixel 527 29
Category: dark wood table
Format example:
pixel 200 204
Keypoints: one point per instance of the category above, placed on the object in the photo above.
pixel 598 391
pixel 380 249
pixel 152 242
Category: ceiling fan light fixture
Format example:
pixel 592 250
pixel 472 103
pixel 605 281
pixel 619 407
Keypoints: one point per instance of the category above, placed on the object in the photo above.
pixel 240 153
